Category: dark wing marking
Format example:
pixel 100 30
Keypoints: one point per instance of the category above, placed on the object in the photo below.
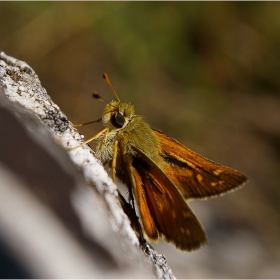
pixel 194 175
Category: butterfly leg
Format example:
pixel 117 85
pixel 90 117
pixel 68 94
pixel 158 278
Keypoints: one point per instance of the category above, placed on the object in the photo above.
pixel 91 139
pixel 114 160
pixel 83 124
pixel 142 240
pixel 129 209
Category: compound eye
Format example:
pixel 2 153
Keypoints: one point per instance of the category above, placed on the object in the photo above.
pixel 118 120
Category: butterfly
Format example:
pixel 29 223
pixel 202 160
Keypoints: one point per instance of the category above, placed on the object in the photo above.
pixel 160 173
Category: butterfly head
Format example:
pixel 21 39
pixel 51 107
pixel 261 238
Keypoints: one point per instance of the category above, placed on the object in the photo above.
pixel 117 114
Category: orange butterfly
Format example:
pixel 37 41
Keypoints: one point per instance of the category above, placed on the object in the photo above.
pixel 161 173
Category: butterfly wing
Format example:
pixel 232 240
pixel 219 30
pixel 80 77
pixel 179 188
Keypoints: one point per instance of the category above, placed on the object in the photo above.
pixel 194 175
pixel 163 210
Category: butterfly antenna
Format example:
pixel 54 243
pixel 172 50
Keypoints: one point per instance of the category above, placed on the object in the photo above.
pixel 97 96
pixel 106 78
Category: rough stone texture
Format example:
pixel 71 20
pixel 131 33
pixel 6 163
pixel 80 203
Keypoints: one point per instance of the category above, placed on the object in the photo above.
pixel 59 212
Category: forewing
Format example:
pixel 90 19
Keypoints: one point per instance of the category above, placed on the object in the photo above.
pixel 194 175
pixel 163 210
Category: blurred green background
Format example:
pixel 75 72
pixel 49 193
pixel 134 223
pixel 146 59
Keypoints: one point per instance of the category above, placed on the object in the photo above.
pixel 205 73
